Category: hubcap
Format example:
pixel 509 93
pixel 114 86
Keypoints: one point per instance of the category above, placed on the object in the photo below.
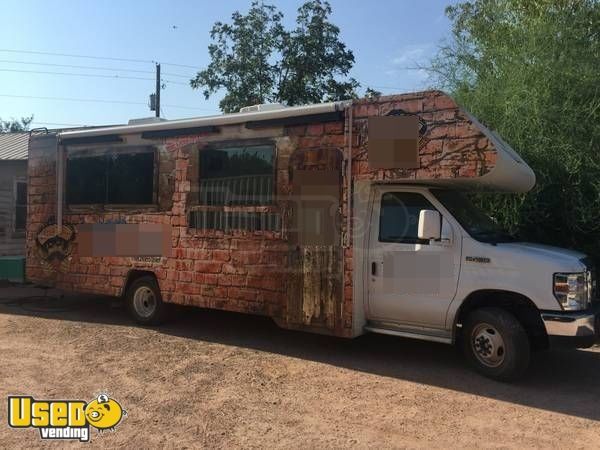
pixel 144 301
pixel 488 345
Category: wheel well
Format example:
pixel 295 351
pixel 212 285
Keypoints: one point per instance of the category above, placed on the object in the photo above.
pixel 133 275
pixel 520 306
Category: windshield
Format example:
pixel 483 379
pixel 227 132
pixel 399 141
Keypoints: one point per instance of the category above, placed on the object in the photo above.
pixel 475 222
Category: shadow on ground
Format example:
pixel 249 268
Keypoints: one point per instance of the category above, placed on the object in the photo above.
pixel 565 382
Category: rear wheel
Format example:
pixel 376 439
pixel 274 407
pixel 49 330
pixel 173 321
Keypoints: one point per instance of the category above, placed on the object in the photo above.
pixel 496 344
pixel 144 302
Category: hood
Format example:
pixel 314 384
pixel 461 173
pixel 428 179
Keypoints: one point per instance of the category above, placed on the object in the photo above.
pixel 567 259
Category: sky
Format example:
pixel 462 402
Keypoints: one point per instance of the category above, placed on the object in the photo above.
pixel 122 40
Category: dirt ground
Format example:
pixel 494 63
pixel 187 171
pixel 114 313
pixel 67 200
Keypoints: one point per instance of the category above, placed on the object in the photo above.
pixel 216 379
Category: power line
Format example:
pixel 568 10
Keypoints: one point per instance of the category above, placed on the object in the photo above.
pixel 76 74
pixel 106 58
pixel 116 76
pixel 98 100
pixel 114 69
pixel 60 124
pixel 73 66
pixel 186 66
pixel 175 82
pixel 118 69
pixel 86 100
pixel 178 75
pixel 68 55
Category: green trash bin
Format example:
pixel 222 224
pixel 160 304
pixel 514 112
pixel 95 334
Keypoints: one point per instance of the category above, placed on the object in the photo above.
pixel 12 268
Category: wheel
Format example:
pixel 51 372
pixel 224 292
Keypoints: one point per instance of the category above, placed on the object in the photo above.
pixel 144 302
pixel 495 344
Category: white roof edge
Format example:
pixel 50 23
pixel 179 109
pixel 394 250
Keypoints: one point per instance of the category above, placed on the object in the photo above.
pixel 222 119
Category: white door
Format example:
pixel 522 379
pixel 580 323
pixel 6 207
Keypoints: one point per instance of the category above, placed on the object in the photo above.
pixel 411 281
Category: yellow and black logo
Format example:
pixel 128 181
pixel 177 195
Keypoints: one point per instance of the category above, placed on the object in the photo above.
pixel 64 419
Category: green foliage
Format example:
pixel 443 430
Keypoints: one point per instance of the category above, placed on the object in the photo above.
pixel 531 71
pixel 15 125
pixel 241 58
pixel 255 60
pixel 313 56
pixel 372 93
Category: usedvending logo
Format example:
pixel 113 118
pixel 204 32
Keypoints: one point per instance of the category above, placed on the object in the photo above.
pixel 65 419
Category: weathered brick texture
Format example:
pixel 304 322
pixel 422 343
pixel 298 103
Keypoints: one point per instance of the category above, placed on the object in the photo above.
pixel 256 272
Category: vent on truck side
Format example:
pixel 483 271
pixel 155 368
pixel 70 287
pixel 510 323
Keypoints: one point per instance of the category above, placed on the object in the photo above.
pixel 235 220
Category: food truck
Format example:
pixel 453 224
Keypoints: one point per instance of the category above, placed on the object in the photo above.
pixel 339 218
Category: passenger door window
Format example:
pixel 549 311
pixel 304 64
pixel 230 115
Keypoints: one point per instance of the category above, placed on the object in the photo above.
pixel 399 217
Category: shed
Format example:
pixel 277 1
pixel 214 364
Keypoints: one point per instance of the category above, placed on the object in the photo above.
pixel 13 203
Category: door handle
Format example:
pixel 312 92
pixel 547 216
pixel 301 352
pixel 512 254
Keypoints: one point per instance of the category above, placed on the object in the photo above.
pixel 374 268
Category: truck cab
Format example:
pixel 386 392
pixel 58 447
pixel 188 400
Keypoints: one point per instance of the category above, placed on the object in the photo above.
pixel 437 268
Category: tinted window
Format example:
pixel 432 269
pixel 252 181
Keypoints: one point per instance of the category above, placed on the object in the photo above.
pixel 130 178
pixel 237 175
pixel 86 180
pixel 399 217
pixel 21 205
pixel 117 178
pixel 473 220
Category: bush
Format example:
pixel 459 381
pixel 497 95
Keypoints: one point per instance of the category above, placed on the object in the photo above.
pixel 531 71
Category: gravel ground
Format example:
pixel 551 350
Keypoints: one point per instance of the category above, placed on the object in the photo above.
pixel 216 379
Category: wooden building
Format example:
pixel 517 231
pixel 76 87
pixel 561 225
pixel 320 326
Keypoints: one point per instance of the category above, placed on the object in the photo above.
pixel 13 204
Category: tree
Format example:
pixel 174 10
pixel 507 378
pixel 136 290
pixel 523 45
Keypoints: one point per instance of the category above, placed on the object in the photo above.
pixel 15 125
pixel 313 57
pixel 531 71
pixel 372 93
pixel 255 60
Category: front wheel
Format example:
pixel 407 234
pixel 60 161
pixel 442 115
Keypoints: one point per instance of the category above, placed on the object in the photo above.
pixel 496 344
pixel 144 302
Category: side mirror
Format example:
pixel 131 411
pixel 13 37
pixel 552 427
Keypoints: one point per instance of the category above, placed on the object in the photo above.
pixel 430 224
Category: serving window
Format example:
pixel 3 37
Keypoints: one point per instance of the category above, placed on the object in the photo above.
pixel 113 176
pixel 241 175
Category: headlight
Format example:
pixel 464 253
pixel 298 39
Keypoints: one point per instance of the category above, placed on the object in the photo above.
pixel 572 290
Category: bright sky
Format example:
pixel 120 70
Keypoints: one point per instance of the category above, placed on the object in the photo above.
pixel 388 37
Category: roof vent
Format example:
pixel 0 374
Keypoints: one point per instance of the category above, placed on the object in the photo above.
pixel 144 120
pixel 263 107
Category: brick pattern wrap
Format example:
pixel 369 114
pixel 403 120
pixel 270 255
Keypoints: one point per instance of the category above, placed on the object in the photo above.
pixel 247 271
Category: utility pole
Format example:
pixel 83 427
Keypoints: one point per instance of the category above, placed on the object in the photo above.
pixel 157 93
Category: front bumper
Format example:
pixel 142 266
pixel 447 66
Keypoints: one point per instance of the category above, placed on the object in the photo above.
pixel 577 329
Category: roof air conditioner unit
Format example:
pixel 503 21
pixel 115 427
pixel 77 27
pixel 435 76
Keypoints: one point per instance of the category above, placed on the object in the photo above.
pixel 263 107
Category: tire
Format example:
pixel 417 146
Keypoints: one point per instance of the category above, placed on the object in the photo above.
pixel 496 344
pixel 144 302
